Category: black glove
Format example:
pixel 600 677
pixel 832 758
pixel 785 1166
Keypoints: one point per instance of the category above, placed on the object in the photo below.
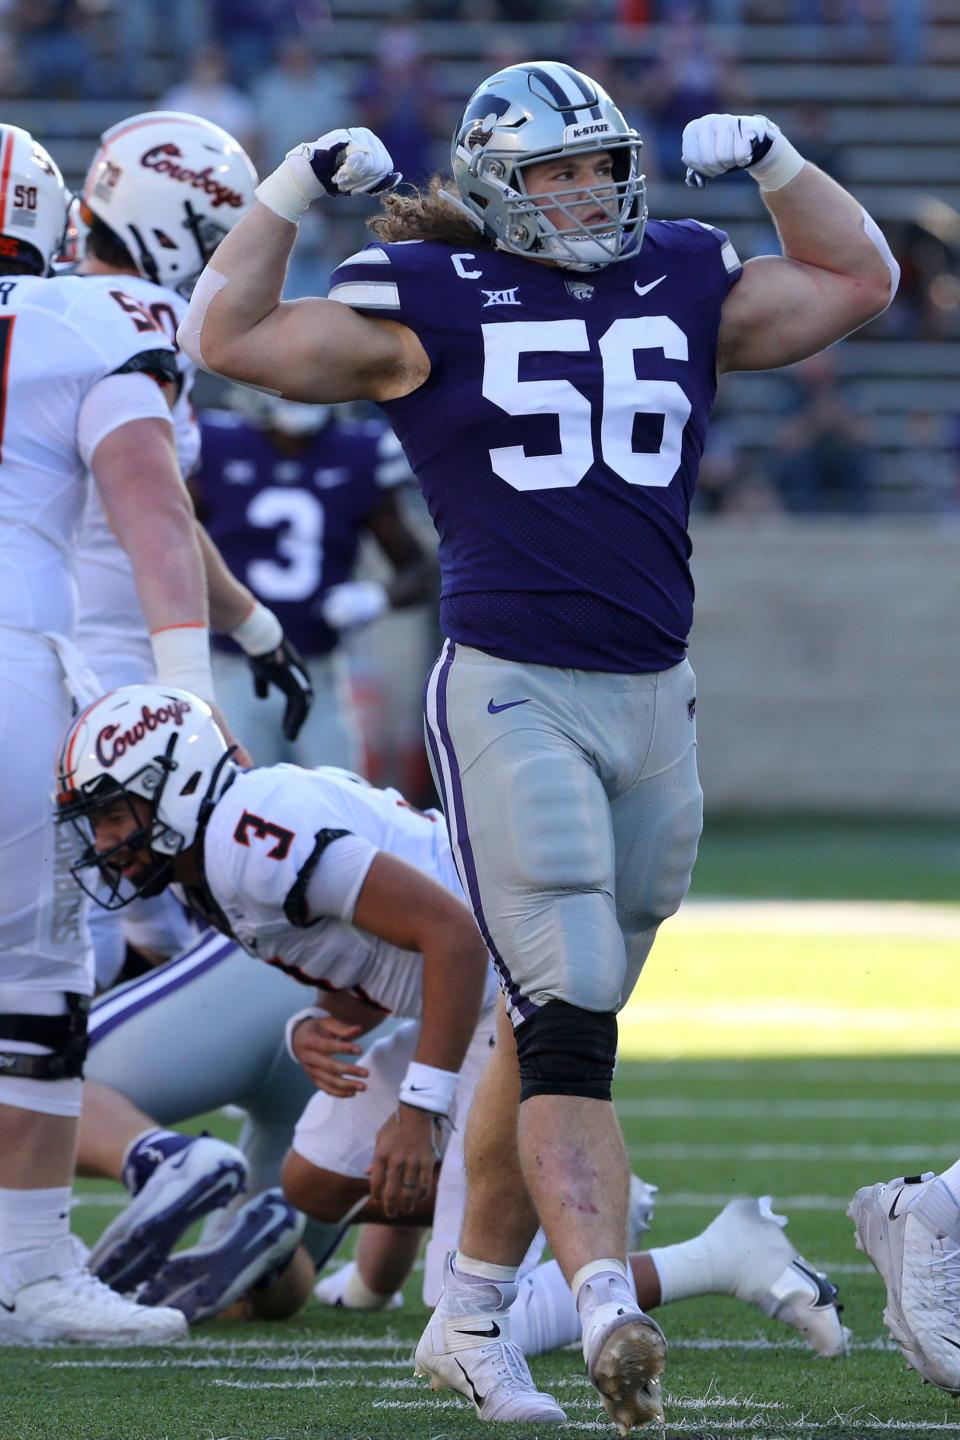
pixel 285 669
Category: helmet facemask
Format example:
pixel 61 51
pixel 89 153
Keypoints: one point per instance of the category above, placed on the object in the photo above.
pixel 99 872
pixel 516 120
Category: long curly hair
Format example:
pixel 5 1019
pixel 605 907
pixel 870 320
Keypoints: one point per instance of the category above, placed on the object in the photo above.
pixel 426 215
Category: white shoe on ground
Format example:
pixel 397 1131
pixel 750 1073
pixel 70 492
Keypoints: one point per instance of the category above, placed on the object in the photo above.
pixel 921 1272
pixel 48 1297
pixel 771 1275
pixel 330 1291
pixel 467 1347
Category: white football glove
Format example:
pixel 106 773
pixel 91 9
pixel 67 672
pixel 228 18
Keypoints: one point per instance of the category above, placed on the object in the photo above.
pixel 716 144
pixel 356 602
pixel 341 162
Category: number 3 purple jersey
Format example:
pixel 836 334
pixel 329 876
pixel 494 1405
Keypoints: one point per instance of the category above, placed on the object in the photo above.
pixel 289 525
pixel 558 437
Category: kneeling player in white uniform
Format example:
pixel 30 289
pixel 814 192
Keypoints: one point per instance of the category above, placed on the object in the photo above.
pixel 342 886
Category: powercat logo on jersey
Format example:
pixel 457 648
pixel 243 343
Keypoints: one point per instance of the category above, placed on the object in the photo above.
pixel 113 742
pixel 163 159
pixel 586 132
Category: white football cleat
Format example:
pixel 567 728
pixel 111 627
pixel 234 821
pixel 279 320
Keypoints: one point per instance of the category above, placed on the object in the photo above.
pixel 202 1176
pixel 330 1291
pixel 467 1347
pixel 625 1352
pixel 921 1272
pixel 48 1297
pixel 640 1208
pixel 768 1273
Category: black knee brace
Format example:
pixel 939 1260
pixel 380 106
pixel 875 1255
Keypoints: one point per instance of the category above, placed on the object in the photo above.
pixel 564 1050
pixel 66 1036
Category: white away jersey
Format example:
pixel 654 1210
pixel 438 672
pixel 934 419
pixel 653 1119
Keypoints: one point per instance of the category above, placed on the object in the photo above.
pixel 280 828
pixel 110 618
pixel 58 338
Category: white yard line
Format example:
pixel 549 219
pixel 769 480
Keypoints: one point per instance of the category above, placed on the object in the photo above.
pixel 679 1107
pixel 799 1153
pixel 894 919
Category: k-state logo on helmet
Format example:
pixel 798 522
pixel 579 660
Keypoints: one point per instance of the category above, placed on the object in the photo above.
pixel 113 742
pixel 163 158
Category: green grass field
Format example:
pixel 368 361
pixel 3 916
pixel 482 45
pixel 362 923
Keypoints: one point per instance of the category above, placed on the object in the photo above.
pixel 799 1051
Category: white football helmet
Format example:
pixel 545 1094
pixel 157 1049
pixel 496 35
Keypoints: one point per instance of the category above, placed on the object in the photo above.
pixel 538 111
pixel 162 745
pixel 170 186
pixel 33 201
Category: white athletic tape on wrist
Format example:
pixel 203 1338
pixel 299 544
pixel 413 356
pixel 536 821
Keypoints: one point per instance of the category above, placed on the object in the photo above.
pixel 779 166
pixel 206 290
pixel 282 193
pixel 426 1088
pixel 312 1012
pixel 181 656
pixel 260 633
pixel 873 232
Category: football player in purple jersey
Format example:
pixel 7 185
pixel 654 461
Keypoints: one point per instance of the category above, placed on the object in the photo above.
pixel 548 358
pixel 287 492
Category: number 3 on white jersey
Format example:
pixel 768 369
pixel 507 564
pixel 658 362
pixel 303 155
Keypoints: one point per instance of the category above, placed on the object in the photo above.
pixel 624 396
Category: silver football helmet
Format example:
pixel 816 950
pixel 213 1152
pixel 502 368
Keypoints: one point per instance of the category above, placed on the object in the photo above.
pixel 537 111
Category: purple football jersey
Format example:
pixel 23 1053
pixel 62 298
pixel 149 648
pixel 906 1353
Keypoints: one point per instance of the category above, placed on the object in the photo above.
pixel 558 436
pixel 289 525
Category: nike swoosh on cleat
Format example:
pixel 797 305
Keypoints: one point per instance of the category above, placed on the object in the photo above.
pixel 493 709
pixel 477 1399
pixel 954 1343
pixel 826 1293
pixel 492 1334
pixel 277 1212
pixel 645 289
pixel 892 1212
pixel 9 1308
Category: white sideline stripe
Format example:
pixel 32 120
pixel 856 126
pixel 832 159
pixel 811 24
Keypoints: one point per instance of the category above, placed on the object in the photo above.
pixel 896 1154
pixel 894 919
pixel 304 1361
pixel 676 1106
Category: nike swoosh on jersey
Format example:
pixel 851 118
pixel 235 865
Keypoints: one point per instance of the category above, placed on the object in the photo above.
pixel 493 709
pixel 645 289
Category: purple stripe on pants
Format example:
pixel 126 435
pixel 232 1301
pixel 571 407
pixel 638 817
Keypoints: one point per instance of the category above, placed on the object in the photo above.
pixel 179 973
pixel 526 1007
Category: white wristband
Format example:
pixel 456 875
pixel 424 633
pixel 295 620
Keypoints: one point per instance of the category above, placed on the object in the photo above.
pixel 312 1012
pixel 282 193
pixel 260 633
pixel 181 656
pixel 779 166
pixel 426 1088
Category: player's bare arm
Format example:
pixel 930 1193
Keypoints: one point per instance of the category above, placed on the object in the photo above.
pixel 316 350
pixel 406 908
pixel 836 271
pixel 138 459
